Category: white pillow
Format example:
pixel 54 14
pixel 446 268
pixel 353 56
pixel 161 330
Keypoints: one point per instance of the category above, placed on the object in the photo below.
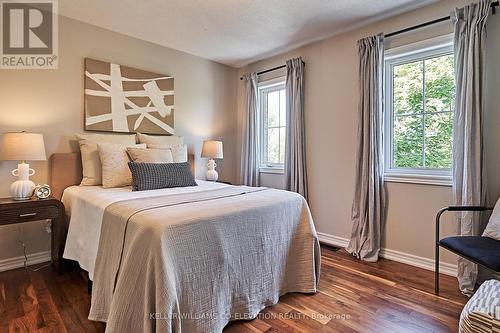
pixel 141 155
pixel 170 141
pixel 91 163
pixel 114 160
pixel 493 228
pixel 179 153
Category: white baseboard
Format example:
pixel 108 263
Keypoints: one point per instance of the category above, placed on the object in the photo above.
pixel 405 258
pixel 17 262
pixel 332 240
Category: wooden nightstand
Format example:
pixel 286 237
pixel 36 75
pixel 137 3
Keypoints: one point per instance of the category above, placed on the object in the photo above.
pixel 13 212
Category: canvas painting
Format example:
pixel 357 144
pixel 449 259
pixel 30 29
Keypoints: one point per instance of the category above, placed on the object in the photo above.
pixel 124 99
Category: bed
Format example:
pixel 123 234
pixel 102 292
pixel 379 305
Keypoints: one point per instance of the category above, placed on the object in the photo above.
pixel 187 259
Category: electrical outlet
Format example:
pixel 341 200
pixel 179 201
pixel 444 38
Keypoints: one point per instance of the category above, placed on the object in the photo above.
pixel 48 227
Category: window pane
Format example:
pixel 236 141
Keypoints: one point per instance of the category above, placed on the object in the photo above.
pixel 282 108
pixel 439 84
pixel 438 139
pixel 273 108
pixel 273 146
pixel 282 144
pixel 264 143
pixel 273 123
pixel 408 88
pixel 408 141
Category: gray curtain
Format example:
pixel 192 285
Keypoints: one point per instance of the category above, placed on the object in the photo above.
pixel 249 173
pixel 295 151
pixel 368 207
pixel 468 168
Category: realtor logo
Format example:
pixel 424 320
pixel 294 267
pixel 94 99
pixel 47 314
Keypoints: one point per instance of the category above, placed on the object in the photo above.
pixel 29 34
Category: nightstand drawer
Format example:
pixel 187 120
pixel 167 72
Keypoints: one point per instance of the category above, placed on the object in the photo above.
pixel 28 214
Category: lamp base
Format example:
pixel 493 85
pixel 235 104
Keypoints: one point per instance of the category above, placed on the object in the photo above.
pixel 23 187
pixel 212 175
pixel 22 190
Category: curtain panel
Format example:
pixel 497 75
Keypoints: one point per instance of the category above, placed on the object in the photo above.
pixel 249 173
pixel 469 179
pixel 368 207
pixel 295 151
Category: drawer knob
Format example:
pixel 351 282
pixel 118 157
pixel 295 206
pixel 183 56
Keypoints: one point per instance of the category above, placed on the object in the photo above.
pixel 27 215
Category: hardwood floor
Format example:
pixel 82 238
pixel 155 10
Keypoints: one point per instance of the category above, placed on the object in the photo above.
pixel 353 297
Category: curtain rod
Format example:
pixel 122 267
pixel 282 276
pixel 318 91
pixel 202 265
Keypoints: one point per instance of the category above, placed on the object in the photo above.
pixel 442 19
pixel 271 69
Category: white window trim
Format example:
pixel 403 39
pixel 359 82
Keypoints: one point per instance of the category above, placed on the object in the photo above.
pixel 268 168
pixel 272 170
pixel 427 48
pixel 418 179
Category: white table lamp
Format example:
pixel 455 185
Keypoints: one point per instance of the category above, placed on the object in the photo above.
pixel 23 147
pixel 211 150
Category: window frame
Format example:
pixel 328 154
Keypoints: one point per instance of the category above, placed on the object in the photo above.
pixel 268 86
pixel 427 49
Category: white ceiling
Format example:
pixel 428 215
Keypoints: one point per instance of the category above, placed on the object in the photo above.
pixel 232 32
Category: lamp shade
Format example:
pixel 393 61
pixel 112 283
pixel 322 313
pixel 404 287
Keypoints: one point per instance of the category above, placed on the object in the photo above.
pixel 212 149
pixel 23 147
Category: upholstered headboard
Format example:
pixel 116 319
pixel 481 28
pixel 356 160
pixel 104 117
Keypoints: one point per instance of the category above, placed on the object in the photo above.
pixel 66 171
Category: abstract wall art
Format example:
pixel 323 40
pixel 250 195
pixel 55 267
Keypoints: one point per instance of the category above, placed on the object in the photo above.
pixel 124 99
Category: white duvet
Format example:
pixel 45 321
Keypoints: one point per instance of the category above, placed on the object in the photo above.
pixel 86 204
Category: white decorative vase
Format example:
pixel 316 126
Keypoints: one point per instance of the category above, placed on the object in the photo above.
pixel 212 175
pixel 22 188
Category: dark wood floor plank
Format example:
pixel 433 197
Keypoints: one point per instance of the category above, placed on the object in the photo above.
pixel 2 303
pixel 33 318
pixel 11 320
pixel 52 315
pixel 353 296
pixel 76 295
pixel 63 304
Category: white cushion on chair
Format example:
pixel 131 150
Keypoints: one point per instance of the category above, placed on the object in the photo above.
pixel 493 228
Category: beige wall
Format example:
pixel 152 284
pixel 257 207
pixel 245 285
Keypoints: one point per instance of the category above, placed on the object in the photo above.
pixel 492 116
pixel 331 101
pixel 51 102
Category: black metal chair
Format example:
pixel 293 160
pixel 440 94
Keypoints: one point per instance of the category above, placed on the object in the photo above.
pixel 483 251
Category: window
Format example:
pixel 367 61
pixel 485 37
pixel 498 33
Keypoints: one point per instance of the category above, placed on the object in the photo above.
pixel 419 103
pixel 272 107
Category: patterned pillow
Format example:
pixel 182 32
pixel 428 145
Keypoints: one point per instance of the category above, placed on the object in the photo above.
pixel 152 176
pixel 114 159
pixel 482 311
pixel 91 163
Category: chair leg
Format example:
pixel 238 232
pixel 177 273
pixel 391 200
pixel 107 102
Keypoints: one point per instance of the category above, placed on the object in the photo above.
pixel 436 271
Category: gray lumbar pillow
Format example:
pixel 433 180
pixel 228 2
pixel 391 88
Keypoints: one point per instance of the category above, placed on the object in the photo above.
pixel 153 176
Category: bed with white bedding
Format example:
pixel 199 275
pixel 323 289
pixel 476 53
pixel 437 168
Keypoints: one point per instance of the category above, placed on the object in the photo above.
pixel 189 259
pixel 86 204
